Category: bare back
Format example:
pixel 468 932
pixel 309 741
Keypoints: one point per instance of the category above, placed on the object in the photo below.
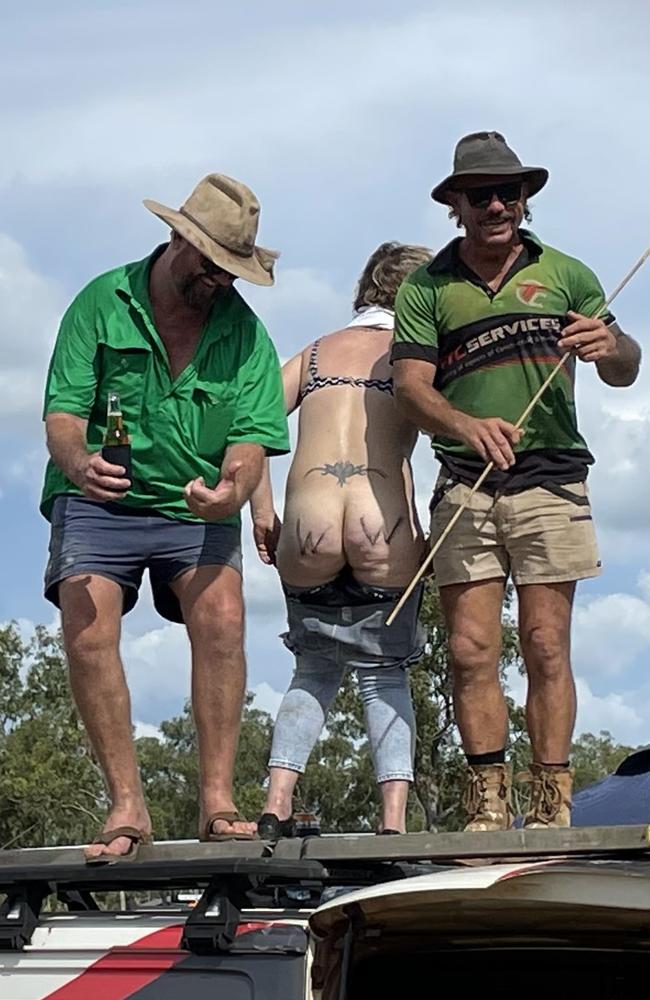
pixel 349 490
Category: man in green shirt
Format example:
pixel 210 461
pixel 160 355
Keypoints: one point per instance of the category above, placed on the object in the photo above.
pixel 200 389
pixel 477 332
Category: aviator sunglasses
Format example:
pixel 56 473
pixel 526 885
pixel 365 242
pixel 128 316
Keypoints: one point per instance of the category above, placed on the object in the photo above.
pixel 507 193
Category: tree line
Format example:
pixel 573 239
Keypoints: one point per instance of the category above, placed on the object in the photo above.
pixel 51 789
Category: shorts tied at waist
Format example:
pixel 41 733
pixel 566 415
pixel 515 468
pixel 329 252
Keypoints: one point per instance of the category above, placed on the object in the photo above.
pixel 345 620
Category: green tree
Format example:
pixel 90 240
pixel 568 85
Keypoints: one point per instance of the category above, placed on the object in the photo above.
pixel 51 790
pixel 594 757
pixel 169 767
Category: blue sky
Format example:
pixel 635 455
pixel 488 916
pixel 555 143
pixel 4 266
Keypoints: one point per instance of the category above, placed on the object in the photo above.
pixel 341 119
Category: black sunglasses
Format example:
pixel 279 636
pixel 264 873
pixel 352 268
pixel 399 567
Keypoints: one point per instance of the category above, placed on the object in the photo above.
pixel 506 193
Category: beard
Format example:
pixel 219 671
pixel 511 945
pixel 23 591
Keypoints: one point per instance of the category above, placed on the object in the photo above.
pixel 197 295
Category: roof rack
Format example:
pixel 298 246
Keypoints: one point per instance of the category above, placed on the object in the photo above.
pixel 229 873
pixel 329 859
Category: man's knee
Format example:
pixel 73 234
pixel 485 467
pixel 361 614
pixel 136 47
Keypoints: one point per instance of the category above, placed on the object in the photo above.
pixel 546 650
pixel 473 655
pixel 90 618
pixel 217 620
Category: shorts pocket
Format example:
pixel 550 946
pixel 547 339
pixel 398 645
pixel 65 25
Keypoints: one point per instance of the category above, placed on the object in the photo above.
pixel 442 489
pixel 307 632
pixel 575 493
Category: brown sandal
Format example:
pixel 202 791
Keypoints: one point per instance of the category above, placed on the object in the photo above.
pixel 136 837
pixel 229 817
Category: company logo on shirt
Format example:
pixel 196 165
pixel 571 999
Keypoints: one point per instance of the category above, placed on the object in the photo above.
pixel 531 293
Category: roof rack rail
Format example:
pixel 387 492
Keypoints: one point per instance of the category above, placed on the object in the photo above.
pixel 339 859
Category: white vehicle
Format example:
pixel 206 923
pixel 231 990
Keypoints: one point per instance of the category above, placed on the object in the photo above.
pixel 544 914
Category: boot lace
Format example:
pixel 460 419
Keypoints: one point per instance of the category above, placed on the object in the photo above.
pixel 475 800
pixel 546 796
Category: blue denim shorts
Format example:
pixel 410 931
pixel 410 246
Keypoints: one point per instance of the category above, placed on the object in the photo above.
pixel 120 542
pixel 356 633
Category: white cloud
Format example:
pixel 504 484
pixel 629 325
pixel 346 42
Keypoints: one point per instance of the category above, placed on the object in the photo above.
pixel 146 729
pixel 267 698
pixel 610 633
pixel 304 305
pixel 619 714
pixel 30 306
pixel 624 714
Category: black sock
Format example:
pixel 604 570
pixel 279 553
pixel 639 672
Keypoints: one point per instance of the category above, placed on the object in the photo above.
pixel 494 757
pixel 563 764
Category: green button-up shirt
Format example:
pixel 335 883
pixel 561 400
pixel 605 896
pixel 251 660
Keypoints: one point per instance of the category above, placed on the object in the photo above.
pixel 231 392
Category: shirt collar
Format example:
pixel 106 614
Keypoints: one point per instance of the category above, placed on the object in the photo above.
pixel 448 261
pixel 135 283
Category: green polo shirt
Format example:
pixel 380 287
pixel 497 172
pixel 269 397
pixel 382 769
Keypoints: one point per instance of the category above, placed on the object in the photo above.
pixel 230 393
pixel 493 350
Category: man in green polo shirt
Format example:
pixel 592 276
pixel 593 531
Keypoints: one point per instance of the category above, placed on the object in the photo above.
pixel 477 332
pixel 200 388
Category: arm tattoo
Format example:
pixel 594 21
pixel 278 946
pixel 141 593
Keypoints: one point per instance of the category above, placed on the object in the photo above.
pixel 342 471
pixel 308 545
pixel 373 537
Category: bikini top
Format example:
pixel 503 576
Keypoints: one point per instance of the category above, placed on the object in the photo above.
pixel 316 381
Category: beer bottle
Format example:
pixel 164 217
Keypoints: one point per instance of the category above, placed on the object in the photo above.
pixel 117 444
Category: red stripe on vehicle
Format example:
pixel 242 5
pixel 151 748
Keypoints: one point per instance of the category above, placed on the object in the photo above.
pixel 122 970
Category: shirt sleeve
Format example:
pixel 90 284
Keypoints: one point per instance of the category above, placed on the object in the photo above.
pixel 72 377
pixel 260 417
pixel 588 296
pixel 415 333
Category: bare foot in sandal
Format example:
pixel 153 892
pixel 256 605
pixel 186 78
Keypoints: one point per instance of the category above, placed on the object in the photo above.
pixel 225 823
pixel 136 818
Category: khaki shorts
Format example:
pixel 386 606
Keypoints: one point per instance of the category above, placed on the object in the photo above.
pixel 535 536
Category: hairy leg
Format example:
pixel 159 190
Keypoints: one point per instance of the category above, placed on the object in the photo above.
pixel 91 609
pixel 213 611
pixel 544 632
pixel 473 616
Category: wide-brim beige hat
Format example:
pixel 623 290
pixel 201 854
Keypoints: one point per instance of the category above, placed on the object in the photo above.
pixel 220 218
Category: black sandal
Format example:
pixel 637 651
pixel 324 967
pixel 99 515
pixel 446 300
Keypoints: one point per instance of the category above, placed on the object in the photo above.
pixel 270 827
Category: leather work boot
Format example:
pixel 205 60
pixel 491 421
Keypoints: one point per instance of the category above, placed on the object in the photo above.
pixel 487 798
pixel 550 800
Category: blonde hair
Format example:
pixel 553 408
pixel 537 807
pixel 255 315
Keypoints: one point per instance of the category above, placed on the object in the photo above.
pixel 384 272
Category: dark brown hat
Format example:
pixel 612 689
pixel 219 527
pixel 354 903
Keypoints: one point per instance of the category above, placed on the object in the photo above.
pixel 487 153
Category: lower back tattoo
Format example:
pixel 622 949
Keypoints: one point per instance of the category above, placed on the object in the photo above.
pixel 342 471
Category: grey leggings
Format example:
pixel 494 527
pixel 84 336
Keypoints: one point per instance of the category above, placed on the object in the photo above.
pixel 390 721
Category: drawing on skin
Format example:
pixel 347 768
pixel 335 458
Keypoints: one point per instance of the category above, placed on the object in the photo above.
pixel 342 471
pixel 373 537
pixel 307 545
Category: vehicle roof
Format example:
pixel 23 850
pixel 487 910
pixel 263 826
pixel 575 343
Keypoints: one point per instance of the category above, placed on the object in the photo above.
pixel 546 894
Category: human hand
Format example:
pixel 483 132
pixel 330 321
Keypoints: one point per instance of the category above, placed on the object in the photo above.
pixel 218 503
pixel 98 479
pixel 590 339
pixel 492 437
pixel 266 532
